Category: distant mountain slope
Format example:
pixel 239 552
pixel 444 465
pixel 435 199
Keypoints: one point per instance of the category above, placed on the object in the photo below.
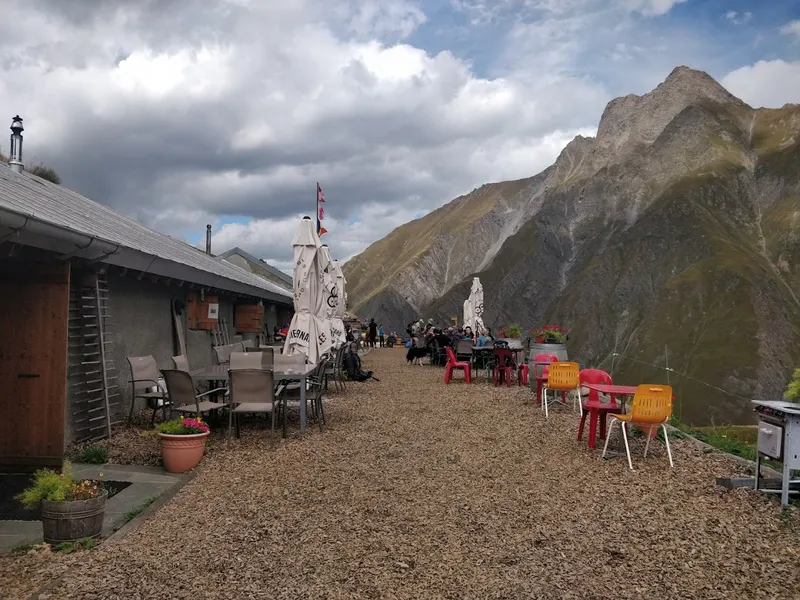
pixel 399 276
pixel 673 236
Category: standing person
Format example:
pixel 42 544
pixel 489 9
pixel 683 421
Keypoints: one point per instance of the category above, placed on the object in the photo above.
pixel 380 335
pixel 373 333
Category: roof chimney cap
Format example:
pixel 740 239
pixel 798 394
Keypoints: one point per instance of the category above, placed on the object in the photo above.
pixel 16 125
pixel 15 149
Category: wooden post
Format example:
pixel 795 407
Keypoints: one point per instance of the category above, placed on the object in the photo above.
pixel 101 340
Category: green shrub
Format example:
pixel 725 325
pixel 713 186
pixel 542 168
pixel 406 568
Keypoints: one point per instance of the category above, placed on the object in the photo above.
pixel 58 487
pixel 511 331
pixel 45 173
pixel 792 393
pixel 93 455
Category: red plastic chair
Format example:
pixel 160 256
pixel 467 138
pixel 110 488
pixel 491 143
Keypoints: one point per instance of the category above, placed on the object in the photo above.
pixel 452 363
pixel 503 363
pixel 541 372
pixel 593 407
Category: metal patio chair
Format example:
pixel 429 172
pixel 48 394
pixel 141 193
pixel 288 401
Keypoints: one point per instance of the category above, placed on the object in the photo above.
pixel 146 386
pixel 252 391
pixel 183 395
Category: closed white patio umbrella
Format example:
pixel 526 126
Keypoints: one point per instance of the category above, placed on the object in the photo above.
pixel 337 323
pixel 476 306
pixel 305 329
pixel 468 317
pixel 330 295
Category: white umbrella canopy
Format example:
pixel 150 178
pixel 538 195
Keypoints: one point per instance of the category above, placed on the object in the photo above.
pixel 337 324
pixel 305 329
pixel 468 317
pixel 476 304
pixel 330 295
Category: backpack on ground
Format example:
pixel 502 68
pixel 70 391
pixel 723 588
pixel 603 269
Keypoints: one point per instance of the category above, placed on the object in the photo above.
pixel 352 366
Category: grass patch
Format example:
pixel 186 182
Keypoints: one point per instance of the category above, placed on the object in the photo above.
pixel 737 440
pixel 86 543
pixel 93 455
pixel 135 512
pixel 22 548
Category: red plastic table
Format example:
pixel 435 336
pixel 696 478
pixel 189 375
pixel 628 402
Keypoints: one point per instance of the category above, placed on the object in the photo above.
pixel 598 410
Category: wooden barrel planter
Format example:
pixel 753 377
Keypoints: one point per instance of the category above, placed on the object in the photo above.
pixel 559 350
pixel 73 520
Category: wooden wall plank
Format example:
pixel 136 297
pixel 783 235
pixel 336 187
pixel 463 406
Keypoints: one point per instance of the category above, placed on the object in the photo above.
pixel 34 316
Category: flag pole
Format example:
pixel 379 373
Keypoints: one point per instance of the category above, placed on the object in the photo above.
pixel 316 214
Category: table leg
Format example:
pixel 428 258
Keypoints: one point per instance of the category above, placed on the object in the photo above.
pixel 603 425
pixel 593 414
pixel 302 406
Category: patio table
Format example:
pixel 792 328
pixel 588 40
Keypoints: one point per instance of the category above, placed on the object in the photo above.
pixel 220 373
pixel 599 410
pixel 481 353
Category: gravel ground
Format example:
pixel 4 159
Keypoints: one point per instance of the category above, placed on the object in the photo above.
pixel 420 490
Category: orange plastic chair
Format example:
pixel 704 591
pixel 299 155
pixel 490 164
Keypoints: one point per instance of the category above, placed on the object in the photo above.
pixel 652 407
pixel 563 377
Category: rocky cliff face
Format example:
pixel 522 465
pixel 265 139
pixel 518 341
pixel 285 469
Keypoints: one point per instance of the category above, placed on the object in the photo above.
pixel 670 239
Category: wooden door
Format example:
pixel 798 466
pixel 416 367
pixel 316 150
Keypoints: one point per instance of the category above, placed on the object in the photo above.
pixel 34 317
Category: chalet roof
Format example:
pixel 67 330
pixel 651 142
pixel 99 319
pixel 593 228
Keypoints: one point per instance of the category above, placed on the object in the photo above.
pixel 259 262
pixel 40 213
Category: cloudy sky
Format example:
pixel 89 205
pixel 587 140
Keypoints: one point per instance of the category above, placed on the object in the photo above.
pixel 183 112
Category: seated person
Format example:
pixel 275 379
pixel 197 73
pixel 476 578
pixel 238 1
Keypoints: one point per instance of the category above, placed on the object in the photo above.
pixel 391 340
pixel 468 335
pixel 437 343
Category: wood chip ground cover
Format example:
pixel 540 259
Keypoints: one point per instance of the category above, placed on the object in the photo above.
pixel 421 490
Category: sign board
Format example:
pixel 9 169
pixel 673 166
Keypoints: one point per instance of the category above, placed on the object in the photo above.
pixel 213 310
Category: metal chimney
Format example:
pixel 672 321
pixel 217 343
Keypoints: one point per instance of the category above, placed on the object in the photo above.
pixel 208 239
pixel 15 157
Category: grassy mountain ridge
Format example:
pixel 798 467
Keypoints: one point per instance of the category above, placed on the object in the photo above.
pixel 673 238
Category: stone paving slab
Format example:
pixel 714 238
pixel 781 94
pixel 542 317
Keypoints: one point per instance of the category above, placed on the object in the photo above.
pixel 146 483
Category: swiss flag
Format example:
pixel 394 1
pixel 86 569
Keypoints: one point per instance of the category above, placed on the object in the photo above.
pixel 320 195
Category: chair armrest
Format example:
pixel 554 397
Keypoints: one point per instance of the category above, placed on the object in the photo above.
pixel 153 381
pixel 222 389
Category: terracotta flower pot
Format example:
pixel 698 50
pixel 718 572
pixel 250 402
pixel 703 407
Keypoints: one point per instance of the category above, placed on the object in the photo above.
pixel 182 452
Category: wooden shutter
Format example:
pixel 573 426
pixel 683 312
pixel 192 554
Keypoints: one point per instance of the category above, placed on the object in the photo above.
pixel 200 313
pixel 249 318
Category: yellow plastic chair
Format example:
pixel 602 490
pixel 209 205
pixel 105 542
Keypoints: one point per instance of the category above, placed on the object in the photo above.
pixel 563 377
pixel 652 407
